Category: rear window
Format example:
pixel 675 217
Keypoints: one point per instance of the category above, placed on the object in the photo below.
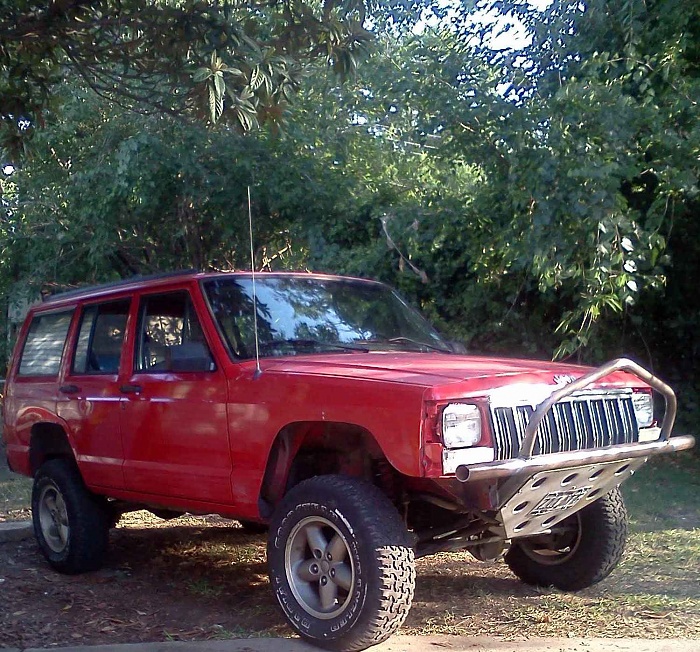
pixel 43 348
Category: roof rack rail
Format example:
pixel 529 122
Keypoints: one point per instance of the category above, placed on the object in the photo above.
pixel 88 289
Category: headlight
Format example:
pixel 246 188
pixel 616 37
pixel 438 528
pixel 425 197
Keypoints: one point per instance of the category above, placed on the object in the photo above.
pixel 643 404
pixel 461 425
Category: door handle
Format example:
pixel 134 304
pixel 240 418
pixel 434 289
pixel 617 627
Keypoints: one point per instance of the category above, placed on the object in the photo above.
pixel 130 389
pixel 69 389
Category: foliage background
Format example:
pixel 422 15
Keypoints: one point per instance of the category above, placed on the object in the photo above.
pixel 540 201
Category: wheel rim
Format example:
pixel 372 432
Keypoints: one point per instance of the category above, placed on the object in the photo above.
pixel 559 546
pixel 319 567
pixel 53 518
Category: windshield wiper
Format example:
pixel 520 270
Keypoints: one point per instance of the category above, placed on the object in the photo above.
pixel 408 340
pixel 311 343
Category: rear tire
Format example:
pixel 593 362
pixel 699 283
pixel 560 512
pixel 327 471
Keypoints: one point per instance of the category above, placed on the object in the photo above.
pixel 71 524
pixel 583 549
pixel 341 563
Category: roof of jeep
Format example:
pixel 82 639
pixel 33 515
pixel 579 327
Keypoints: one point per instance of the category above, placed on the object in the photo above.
pixel 166 278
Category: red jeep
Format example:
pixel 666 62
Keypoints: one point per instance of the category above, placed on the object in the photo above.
pixel 329 410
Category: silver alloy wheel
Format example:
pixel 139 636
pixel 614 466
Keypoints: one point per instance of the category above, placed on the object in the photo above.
pixel 319 567
pixel 53 518
pixel 555 548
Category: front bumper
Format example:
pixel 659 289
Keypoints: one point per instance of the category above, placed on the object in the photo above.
pixel 501 469
pixel 535 492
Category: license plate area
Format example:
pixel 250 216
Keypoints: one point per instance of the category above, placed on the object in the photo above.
pixel 557 501
pixel 545 498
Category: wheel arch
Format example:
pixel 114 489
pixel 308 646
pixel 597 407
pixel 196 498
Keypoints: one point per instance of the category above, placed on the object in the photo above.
pixel 305 449
pixel 48 440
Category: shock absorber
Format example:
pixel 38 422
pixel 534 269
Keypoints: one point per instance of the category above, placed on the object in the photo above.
pixel 385 478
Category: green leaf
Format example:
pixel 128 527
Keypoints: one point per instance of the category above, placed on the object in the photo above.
pixel 219 85
pixel 201 74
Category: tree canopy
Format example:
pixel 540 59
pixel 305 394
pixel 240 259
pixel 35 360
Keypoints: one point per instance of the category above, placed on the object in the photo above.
pixel 540 199
pixel 237 60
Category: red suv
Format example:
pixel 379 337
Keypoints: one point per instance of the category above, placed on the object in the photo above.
pixel 328 409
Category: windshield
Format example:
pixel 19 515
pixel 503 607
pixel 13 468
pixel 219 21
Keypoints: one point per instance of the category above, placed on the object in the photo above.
pixel 299 315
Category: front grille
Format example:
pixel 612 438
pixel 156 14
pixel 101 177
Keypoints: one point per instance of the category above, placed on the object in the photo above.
pixel 577 423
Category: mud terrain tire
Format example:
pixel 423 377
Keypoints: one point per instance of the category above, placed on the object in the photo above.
pixel 341 563
pixel 585 548
pixel 71 524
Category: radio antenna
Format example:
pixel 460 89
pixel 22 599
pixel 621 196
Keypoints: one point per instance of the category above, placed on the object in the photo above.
pixel 258 371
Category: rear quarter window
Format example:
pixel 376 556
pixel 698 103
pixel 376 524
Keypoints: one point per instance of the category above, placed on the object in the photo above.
pixel 43 348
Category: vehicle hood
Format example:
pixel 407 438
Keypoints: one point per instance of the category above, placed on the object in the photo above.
pixel 436 369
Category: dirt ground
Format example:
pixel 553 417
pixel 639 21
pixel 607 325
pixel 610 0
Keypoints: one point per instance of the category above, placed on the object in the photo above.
pixel 205 578
pixel 159 583
pixel 199 578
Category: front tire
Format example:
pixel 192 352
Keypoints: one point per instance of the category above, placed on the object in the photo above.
pixel 341 563
pixel 71 524
pixel 581 551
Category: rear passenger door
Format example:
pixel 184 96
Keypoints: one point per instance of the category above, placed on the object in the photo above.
pixel 174 425
pixel 89 394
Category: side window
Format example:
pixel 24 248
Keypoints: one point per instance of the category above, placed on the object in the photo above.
pixel 100 338
pixel 43 348
pixel 170 336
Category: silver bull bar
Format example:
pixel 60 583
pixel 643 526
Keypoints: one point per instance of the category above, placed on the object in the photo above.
pixel 528 464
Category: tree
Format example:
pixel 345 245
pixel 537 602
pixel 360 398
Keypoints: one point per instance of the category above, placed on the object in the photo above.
pixel 108 194
pixel 539 186
pixel 598 154
pixel 507 192
pixel 237 61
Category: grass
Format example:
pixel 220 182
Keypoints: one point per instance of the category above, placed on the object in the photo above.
pixel 15 492
pixel 665 493
pixel 654 592
pixel 204 588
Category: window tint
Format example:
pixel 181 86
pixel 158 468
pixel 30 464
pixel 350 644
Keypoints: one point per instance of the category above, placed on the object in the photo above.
pixel 171 338
pixel 100 339
pixel 43 348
